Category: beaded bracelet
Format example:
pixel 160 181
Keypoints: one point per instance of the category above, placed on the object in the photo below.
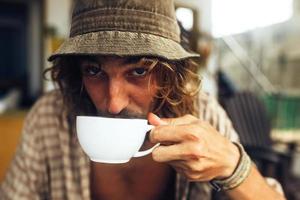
pixel 239 175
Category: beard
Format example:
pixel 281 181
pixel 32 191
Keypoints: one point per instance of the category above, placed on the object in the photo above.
pixel 125 113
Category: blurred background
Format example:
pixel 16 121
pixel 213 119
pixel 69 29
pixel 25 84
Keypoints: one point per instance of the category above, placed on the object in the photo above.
pixel 250 62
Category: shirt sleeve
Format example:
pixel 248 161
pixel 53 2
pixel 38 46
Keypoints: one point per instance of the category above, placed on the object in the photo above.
pixel 211 111
pixel 24 177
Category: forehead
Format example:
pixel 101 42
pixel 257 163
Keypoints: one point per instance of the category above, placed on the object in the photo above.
pixel 115 60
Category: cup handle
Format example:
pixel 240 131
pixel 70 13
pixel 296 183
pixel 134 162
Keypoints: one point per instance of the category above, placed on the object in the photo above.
pixel 146 152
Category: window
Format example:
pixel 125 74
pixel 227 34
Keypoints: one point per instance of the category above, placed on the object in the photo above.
pixel 237 16
pixel 186 17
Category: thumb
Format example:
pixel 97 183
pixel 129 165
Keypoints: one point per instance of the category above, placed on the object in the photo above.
pixel 155 120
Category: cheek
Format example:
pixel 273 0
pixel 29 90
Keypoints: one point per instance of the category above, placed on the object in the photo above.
pixel 143 94
pixel 95 89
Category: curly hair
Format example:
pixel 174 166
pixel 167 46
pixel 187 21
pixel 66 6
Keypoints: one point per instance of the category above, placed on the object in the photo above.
pixel 178 84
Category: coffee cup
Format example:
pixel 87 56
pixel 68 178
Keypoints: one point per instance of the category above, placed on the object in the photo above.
pixel 112 140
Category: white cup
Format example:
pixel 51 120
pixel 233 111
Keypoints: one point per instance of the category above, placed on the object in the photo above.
pixel 112 140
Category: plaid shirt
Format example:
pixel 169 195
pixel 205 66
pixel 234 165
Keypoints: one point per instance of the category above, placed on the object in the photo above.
pixel 50 164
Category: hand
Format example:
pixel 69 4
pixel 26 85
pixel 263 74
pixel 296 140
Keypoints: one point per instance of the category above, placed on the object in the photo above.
pixel 193 148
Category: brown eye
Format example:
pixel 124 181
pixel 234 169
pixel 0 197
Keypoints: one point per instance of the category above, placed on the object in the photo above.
pixel 139 72
pixel 91 70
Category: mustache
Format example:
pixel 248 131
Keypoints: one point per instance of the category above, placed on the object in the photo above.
pixel 126 114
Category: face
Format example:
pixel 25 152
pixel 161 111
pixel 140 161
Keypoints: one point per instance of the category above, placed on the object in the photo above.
pixel 119 87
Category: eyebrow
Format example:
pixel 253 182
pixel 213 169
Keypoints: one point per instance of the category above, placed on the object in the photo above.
pixel 131 60
pixel 88 59
pixel 126 61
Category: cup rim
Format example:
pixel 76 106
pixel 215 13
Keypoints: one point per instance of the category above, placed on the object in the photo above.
pixel 110 118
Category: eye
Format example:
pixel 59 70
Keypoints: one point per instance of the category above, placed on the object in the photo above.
pixel 91 70
pixel 140 71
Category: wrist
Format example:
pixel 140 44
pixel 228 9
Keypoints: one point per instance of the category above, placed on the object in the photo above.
pixel 240 173
pixel 233 161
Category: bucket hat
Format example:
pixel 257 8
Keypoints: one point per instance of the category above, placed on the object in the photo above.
pixel 124 28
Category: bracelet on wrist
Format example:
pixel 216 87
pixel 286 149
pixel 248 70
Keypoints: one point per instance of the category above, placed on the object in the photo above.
pixel 239 175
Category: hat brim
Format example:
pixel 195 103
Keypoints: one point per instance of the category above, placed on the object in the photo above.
pixel 122 44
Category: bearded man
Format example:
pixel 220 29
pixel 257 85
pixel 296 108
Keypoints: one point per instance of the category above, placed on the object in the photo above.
pixel 124 59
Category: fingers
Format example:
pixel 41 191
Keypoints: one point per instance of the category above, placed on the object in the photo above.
pixel 155 120
pixel 176 134
pixel 195 148
pixel 167 153
pixel 172 129
pixel 186 119
pixel 194 170
pixel 177 152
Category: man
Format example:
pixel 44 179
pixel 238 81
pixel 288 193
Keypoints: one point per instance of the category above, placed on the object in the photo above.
pixel 123 59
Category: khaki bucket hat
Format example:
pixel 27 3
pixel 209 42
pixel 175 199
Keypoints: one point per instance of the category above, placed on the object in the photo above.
pixel 124 28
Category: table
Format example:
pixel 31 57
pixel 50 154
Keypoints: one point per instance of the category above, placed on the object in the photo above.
pixel 286 136
pixel 11 124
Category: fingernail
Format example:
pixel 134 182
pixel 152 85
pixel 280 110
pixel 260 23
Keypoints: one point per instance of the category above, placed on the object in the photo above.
pixel 157 118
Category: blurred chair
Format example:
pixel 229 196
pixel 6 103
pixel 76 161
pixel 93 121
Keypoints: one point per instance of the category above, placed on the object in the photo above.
pixel 250 120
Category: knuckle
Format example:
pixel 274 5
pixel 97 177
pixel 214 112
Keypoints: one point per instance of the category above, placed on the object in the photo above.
pixel 197 168
pixel 154 135
pixel 191 136
pixel 190 167
pixel 194 167
pixel 196 150
pixel 155 155
pixel 192 177
pixel 160 129
pixel 191 156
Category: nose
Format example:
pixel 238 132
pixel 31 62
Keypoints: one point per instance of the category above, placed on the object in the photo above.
pixel 117 97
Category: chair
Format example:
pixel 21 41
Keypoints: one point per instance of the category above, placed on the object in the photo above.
pixel 250 120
